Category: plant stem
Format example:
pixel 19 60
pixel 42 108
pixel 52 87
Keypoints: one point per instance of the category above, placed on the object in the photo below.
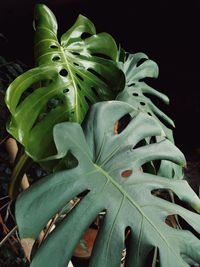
pixel 8 235
pixel 18 177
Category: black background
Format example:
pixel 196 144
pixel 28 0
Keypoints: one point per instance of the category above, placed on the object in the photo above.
pixel 166 30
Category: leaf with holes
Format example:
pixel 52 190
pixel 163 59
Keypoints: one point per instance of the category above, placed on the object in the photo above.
pixel 137 92
pixel 136 68
pixel 109 171
pixel 69 77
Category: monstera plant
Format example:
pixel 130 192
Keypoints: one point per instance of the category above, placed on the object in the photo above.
pixel 68 77
pixel 137 67
pixel 119 159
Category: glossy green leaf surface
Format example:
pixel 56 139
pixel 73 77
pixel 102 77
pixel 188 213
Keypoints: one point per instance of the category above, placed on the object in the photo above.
pixel 104 155
pixel 69 76
pixel 137 67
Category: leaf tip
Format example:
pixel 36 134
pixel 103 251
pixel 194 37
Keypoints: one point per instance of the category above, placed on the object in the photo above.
pixel 162 133
pixel 27 244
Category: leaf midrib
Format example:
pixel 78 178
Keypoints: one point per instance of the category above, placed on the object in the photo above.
pixel 73 82
pixel 133 203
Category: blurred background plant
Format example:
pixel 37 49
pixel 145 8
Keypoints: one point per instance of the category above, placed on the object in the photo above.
pixel 11 253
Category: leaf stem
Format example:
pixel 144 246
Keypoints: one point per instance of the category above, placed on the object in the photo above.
pixel 8 235
pixel 18 176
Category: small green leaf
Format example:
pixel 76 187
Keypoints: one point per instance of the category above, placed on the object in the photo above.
pixel 136 68
pixel 137 93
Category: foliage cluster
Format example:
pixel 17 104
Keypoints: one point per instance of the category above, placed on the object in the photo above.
pixel 85 115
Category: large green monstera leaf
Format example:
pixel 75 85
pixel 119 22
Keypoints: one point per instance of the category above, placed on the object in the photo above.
pixel 70 76
pixel 137 93
pixel 109 171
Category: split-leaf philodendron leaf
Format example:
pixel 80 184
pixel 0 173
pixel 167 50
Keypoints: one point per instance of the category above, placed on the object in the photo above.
pixel 109 169
pixel 136 68
pixel 69 76
pixel 137 93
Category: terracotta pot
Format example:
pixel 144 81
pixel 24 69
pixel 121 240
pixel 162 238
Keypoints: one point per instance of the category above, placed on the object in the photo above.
pixel 84 251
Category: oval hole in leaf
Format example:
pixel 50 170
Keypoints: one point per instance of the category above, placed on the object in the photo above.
pixel 63 72
pixel 85 35
pixel 131 84
pixel 76 64
pixel 78 76
pixel 126 173
pixel 66 90
pixel 141 61
pixel 135 94
pixel 75 53
pixel 55 58
pixel 53 46
pixel 142 103
pixel 122 123
pixel 101 56
pixel 97 74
